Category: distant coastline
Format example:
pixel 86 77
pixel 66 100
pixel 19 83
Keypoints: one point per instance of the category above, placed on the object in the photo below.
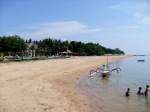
pixel 17 46
pixel 139 55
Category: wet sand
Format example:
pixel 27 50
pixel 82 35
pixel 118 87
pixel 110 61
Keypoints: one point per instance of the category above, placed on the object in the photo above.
pixel 46 85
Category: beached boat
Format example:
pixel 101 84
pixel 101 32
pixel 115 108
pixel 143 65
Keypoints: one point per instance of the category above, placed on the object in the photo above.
pixel 25 58
pixel 12 58
pixel 36 58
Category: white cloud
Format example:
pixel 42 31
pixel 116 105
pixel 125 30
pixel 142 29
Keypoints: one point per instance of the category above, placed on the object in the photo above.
pixel 136 8
pixel 129 27
pixel 138 15
pixel 142 18
pixel 58 29
pixel 116 6
pixel 123 28
pixel 146 20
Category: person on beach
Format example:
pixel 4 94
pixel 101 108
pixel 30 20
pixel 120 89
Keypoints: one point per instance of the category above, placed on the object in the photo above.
pixel 146 90
pixel 139 91
pixel 127 92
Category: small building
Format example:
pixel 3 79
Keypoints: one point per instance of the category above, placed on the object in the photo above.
pixel 30 51
pixel 66 53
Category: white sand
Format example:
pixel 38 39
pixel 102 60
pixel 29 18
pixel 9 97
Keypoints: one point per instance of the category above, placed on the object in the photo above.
pixel 47 85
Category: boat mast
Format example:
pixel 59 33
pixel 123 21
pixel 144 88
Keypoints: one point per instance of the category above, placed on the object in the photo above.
pixel 107 61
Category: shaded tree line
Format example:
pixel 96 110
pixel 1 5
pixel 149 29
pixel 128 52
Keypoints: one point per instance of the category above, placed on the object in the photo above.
pixel 12 45
pixel 15 44
pixel 53 46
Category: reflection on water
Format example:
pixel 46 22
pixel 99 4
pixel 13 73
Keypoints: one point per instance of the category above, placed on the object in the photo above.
pixel 108 94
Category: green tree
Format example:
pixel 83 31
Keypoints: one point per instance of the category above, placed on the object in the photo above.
pixel 12 44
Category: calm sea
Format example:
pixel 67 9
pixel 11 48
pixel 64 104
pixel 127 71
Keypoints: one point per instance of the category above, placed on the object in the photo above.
pixel 108 95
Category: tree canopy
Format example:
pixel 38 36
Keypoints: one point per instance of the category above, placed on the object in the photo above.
pixel 54 46
pixel 12 44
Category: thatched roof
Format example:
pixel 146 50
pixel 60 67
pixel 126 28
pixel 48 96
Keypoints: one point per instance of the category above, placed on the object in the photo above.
pixel 66 52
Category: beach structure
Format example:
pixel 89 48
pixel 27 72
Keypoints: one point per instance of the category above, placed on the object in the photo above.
pixel 66 53
pixel 31 49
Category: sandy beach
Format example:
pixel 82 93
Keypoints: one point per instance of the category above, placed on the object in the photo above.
pixel 46 85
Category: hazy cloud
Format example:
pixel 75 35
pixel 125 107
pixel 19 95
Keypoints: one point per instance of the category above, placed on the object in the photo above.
pixel 58 29
pixel 116 6
pixel 129 27
pixel 143 18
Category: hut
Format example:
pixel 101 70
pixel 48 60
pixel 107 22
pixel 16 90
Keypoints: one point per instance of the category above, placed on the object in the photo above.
pixel 66 53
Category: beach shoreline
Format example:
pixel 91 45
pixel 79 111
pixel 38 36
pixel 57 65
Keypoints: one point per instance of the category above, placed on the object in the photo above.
pixel 47 85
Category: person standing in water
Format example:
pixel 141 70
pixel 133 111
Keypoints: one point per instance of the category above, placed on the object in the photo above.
pixel 146 90
pixel 139 91
pixel 127 92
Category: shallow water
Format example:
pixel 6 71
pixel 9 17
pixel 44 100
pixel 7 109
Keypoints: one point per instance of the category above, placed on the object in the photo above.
pixel 107 95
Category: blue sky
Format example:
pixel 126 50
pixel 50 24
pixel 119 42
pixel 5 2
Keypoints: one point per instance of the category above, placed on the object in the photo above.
pixel 112 23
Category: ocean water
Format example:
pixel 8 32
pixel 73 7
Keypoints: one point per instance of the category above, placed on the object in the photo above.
pixel 108 94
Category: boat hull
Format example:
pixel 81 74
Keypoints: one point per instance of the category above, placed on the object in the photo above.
pixel 105 73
